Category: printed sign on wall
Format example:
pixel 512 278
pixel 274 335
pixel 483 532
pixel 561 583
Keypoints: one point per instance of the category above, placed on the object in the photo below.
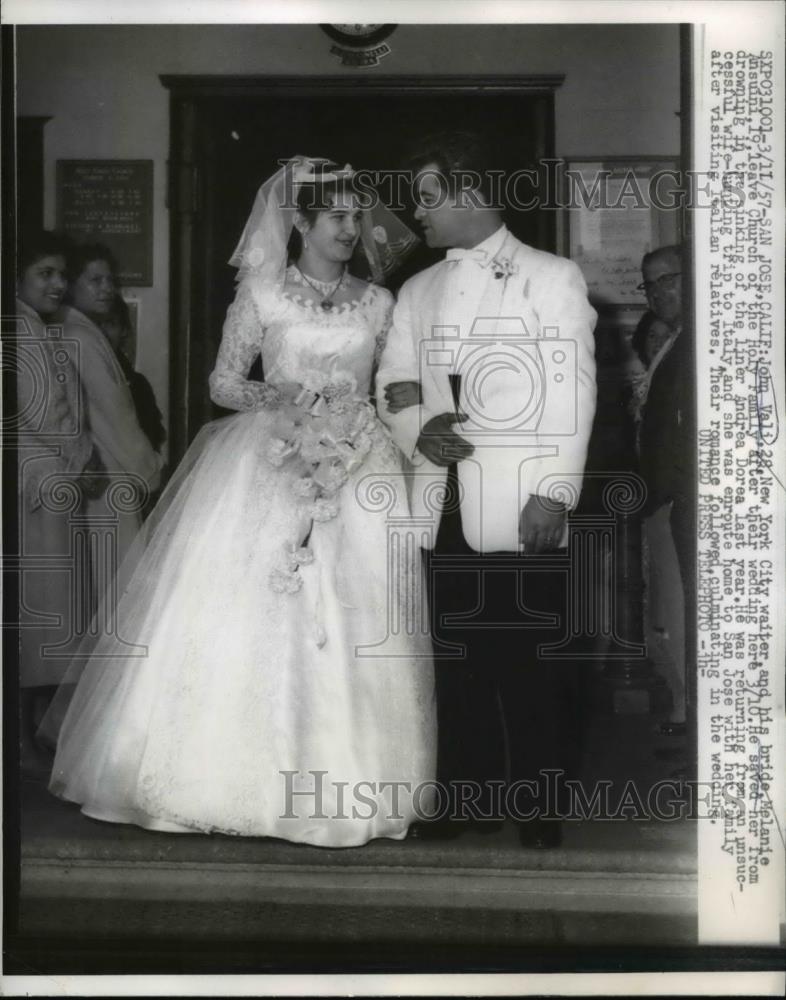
pixel 110 202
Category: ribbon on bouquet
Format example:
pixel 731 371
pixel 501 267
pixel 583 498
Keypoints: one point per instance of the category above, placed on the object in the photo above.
pixel 312 402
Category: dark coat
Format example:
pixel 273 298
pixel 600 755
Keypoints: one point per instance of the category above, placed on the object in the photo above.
pixel 666 435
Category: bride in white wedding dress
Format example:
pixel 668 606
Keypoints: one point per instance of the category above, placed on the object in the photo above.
pixel 281 682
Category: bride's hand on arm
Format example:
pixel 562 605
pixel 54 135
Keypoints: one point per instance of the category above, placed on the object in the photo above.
pixel 401 395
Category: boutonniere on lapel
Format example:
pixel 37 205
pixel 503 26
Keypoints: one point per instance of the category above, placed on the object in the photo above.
pixel 503 267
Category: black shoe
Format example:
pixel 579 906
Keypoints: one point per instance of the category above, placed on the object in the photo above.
pixel 541 834
pixel 441 829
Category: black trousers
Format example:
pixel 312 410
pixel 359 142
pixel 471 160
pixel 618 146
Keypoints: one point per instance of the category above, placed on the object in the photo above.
pixel 507 713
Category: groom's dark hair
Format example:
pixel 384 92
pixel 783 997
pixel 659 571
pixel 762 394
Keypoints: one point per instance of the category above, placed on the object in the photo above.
pixel 464 160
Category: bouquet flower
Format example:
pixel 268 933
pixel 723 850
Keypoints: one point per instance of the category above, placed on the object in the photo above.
pixel 323 433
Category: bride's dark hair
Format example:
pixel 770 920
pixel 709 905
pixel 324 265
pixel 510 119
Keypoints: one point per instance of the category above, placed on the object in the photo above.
pixel 313 198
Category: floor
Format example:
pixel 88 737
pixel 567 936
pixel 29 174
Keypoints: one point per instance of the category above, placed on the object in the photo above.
pixel 97 896
pixel 620 750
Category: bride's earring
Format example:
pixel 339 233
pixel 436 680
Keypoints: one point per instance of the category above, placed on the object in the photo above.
pixel 305 242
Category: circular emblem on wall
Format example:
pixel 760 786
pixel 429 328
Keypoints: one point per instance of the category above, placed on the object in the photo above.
pixel 359 44
pixel 358 36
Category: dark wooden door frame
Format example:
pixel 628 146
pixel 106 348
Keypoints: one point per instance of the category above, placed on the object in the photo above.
pixel 187 93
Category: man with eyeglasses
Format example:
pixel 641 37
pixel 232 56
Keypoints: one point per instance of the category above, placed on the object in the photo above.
pixel 664 457
pixel 662 273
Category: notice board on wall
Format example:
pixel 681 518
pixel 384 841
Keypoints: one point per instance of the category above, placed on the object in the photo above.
pixel 110 202
pixel 634 209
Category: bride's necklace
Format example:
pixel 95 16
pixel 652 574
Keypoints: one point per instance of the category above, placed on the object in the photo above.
pixel 326 289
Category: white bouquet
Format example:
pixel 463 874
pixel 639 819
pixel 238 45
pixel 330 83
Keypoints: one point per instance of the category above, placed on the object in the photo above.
pixel 322 431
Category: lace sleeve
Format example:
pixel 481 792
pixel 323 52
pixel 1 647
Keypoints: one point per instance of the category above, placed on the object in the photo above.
pixel 240 343
pixel 383 316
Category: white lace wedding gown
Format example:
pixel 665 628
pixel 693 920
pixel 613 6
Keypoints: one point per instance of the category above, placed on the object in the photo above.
pixel 241 693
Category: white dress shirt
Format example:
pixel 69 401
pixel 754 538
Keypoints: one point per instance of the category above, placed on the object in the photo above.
pixel 466 275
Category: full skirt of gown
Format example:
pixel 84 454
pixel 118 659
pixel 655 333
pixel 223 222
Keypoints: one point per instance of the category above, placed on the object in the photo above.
pixel 222 703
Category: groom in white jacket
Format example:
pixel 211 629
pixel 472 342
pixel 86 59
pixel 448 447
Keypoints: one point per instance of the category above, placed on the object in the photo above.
pixel 487 383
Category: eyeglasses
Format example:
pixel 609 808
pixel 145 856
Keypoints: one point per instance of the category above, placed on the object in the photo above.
pixel 664 281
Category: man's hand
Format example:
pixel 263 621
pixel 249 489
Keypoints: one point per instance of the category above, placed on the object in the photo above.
pixel 542 524
pixel 440 444
pixel 400 395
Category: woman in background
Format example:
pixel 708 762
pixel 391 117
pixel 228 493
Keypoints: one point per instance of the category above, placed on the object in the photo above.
pixel 55 452
pixel 132 465
pixel 118 331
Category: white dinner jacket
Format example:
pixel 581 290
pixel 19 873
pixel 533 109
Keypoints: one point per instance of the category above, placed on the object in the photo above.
pixel 527 371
